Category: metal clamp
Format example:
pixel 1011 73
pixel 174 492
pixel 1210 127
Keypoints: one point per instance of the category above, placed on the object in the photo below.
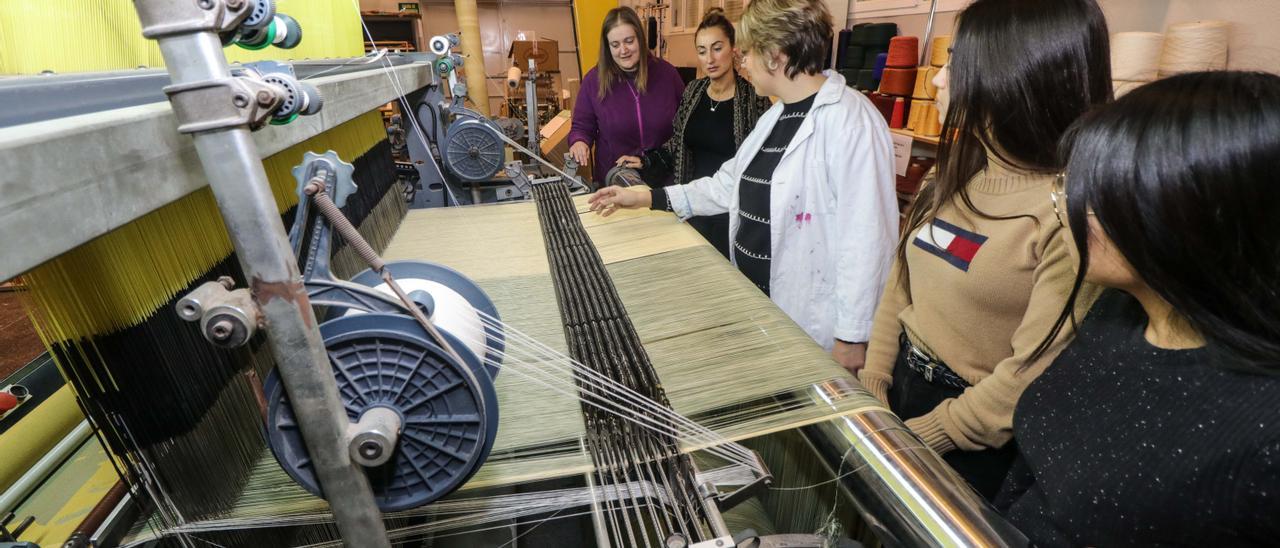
pixel 515 170
pixel 162 19
pixel 223 103
pixel 228 317
pixel 257 93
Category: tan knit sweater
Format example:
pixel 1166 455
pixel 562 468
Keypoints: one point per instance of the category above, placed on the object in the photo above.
pixel 982 295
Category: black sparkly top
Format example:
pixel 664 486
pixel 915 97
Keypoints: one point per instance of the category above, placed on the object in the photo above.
pixel 1122 444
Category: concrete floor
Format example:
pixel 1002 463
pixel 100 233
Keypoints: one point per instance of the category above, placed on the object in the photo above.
pixel 18 341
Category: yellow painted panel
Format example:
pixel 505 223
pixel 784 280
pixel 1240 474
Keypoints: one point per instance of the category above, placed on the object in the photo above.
pixel 30 438
pixel 588 17
pixel 78 36
pixel 70 493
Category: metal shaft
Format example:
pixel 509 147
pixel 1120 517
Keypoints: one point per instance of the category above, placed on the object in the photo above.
pixel 531 107
pixel 239 183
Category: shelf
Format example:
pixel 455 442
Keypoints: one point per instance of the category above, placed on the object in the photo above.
pixel 919 138
pixel 68 180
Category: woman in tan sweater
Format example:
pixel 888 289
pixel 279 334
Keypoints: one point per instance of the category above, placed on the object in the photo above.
pixel 982 273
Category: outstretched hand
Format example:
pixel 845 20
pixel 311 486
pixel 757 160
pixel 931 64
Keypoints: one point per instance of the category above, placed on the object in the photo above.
pixel 612 198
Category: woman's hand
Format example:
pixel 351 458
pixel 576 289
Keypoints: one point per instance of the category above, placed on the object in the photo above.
pixel 850 355
pixel 581 152
pixel 612 198
pixel 633 162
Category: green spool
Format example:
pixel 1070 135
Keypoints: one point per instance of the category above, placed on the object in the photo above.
pixel 271 37
pixel 283 121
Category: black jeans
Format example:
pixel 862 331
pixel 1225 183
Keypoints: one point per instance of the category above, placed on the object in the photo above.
pixel 911 396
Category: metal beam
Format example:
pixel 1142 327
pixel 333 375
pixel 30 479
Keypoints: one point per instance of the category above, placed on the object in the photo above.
pixel 64 182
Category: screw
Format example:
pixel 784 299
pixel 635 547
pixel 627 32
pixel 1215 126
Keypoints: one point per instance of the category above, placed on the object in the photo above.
pixel 370 449
pixel 205 4
pixel 265 98
pixel 235 4
pixel 240 100
pixel 222 329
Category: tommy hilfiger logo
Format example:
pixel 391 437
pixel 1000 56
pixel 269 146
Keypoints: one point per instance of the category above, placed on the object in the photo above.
pixel 950 243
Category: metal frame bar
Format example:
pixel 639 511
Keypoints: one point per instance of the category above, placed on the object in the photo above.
pixel 69 180
pixel 48 97
pixel 904 490
pixel 232 163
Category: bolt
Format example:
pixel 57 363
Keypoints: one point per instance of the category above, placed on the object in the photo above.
pixel 240 100
pixel 205 4
pixel 370 449
pixel 222 329
pixel 235 4
pixel 265 98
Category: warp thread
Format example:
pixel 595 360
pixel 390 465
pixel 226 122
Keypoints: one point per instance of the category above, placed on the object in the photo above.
pixel 924 83
pixel 931 123
pixel 1135 56
pixel 513 77
pixel 873 34
pixel 901 109
pixel 872 53
pixel 842 47
pixel 867 80
pixel 854 56
pixel 884 104
pixel 940 51
pixel 897 81
pixel 903 51
pixel 878 67
pixel 1195 46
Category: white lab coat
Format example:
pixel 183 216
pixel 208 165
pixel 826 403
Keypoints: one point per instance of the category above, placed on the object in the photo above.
pixel 833 212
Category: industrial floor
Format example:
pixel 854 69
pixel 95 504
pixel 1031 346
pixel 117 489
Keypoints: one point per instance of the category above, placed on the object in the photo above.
pixel 18 341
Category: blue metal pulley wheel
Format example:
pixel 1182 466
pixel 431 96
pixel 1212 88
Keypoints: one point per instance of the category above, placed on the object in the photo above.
pixel 458 305
pixel 449 410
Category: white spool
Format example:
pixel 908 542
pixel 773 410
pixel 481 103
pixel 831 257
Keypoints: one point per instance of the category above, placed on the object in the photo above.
pixel 452 312
pixel 1135 56
pixel 513 77
pixel 439 45
pixel 1122 87
pixel 1195 46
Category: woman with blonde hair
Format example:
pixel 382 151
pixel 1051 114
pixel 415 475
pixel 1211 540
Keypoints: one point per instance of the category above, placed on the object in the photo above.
pixel 810 194
pixel 627 101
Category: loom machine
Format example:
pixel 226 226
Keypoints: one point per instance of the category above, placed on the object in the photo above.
pixel 390 371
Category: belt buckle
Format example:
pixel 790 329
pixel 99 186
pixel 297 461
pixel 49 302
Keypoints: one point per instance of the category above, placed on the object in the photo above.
pixel 928 372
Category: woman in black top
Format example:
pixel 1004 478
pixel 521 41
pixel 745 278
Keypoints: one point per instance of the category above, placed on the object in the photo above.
pixel 714 107
pixel 1160 424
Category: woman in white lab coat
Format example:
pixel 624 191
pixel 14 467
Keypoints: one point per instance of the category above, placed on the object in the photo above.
pixel 813 213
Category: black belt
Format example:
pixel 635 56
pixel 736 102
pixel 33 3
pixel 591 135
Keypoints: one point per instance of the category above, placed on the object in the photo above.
pixel 926 366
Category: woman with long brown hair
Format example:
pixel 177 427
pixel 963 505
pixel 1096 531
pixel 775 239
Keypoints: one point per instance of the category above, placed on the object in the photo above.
pixel 719 105
pixel 627 101
pixel 981 272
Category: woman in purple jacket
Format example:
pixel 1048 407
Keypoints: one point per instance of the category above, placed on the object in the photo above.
pixel 628 101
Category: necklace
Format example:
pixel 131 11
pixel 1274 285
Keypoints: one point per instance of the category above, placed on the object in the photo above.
pixel 715 103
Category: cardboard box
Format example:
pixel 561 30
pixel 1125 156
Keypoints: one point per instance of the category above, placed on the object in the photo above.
pixel 545 54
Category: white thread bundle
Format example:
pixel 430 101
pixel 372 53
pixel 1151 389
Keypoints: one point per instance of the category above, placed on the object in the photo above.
pixel 1135 56
pixel 1122 87
pixel 513 77
pixel 1195 46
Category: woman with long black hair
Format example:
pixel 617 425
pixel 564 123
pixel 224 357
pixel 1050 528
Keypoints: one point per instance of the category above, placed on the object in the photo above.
pixel 981 272
pixel 1160 424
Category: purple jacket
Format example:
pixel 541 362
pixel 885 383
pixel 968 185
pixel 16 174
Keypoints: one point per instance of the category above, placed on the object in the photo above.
pixel 623 123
